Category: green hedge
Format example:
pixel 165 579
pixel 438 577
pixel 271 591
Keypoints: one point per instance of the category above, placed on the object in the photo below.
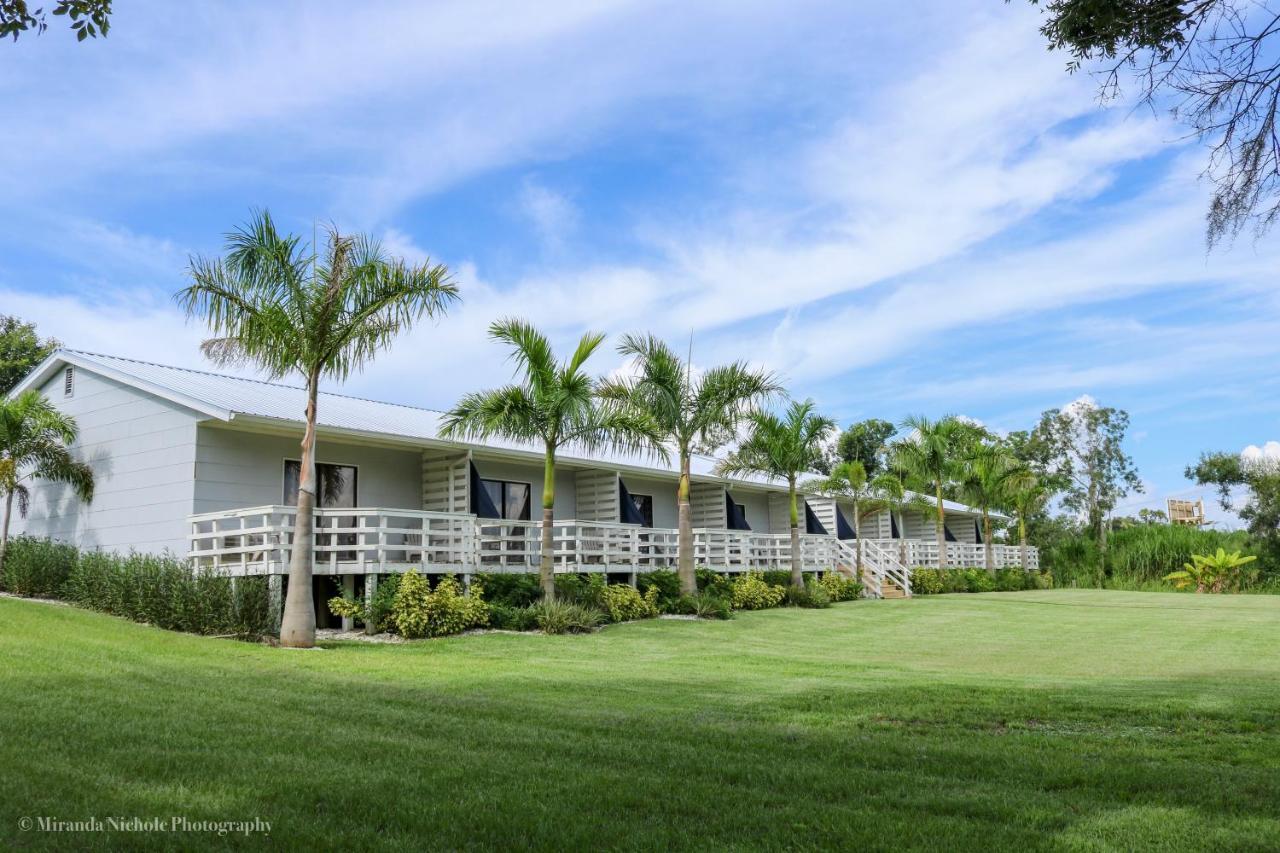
pixel 931 581
pixel 37 567
pixel 158 590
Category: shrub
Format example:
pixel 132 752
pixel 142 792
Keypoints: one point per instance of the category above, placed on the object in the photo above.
pixel 926 581
pixel 954 580
pixel 564 617
pixel 37 567
pixel 164 591
pixel 512 590
pixel 587 590
pixel 623 602
pixel 752 592
pixel 840 588
pixel 1010 580
pixel 419 611
pixel 373 613
pixel 979 580
pixel 813 595
pixel 509 618
pixel 777 577
pixel 711 581
pixel 685 605
pixel 1039 580
pixel 708 605
pixel 668 586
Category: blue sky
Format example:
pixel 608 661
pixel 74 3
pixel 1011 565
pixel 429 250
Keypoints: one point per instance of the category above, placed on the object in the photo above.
pixel 899 211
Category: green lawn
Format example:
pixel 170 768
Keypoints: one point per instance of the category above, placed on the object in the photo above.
pixel 1045 720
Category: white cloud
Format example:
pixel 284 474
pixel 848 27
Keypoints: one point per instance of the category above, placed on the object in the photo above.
pixel 552 214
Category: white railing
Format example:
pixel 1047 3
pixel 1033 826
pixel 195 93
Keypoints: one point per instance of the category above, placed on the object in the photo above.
pixel 364 540
pixel 960 555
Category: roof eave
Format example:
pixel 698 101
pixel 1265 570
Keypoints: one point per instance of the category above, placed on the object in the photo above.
pixel 60 357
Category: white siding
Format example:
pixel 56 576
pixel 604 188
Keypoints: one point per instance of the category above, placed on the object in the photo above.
pixel 707 506
pixel 756 507
pixel 780 513
pixel 142 450
pixel 596 495
pixel 237 469
pixel 962 527
pixel 824 509
pixel 446 482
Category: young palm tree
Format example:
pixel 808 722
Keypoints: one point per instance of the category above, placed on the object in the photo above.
pixel 34 441
pixel 869 495
pixel 689 411
pixel 287 308
pixel 555 405
pixel 783 448
pixel 927 459
pixel 1027 498
pixel 989 476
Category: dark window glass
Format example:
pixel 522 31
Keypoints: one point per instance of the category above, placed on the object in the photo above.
pixel 336 484
pixel 644 506
pixel 511 499
pixel 742 511
pixel 336 487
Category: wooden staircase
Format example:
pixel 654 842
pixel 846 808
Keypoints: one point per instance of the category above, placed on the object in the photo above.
pixel 883 575
pixel 889 589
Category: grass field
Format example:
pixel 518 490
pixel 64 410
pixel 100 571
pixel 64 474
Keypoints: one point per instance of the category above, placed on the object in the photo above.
pixel 1038 720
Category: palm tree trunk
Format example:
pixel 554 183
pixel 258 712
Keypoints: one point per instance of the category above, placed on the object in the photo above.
pixel 857 535
pixel 988 553
pixel 1022 543
pixel 298 623
pixel 4 530
pixel 940 530
pixel 546 562
pixel 797 568
pixel 684 545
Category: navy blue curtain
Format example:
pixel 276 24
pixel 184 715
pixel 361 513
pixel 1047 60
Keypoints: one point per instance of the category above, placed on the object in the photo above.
pixel 977 531
pixel 811 522
pixel 951 537
pixel 481 504
pixel 628 512
pixel 844 530
pixel 893 526
pixel 735 514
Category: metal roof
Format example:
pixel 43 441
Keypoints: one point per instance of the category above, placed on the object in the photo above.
pixel 230 398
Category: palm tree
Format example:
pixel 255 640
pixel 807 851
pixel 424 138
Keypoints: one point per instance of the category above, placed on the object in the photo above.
pixel 34 441
pixel 688 411
pixel 284 307
pixel 782 448
pixel 988 478
pixel 869 495
pixel 927 459
pixel 1027 498
pixel 555 405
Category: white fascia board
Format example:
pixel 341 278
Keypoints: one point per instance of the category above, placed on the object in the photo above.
pixel 60 358
pixel 513 454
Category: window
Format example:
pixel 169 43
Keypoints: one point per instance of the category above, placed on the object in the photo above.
pixel 336 487
pixel 337 484
pixel 68 381
pixel 644 506
pixel 511 499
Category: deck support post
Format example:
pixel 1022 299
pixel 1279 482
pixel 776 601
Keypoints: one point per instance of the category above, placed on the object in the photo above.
pixel 348 592
pixel 275 584
pixel 370 588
